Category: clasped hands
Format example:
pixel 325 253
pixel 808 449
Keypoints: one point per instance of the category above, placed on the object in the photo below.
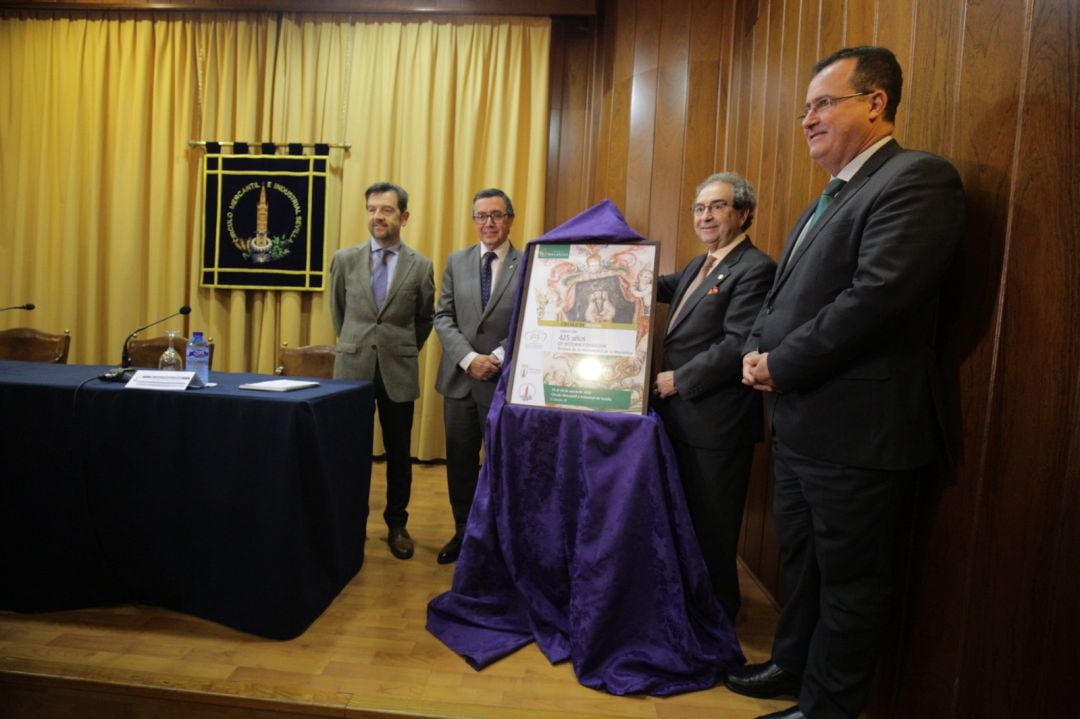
pixel 755 372
pixel 484 367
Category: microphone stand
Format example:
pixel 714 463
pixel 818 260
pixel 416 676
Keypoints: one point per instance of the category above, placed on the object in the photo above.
pixel 125 355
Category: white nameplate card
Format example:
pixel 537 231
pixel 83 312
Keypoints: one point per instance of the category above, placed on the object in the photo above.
pixel 167 380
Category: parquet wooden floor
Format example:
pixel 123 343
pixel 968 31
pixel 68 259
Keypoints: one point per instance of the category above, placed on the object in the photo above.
pixel 369 655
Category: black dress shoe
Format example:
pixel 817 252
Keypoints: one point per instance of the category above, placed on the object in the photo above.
pixel 789 713
pixel 763 681
pixel 450 552
pixel 401 544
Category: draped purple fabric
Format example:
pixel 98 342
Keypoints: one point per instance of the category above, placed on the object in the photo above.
pixel 579 539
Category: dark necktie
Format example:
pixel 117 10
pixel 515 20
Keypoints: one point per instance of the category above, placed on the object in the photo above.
pixel 485 278
pixel 379 276
pixel 827 196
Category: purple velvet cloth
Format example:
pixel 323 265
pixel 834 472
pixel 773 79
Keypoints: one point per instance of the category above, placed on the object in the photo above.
pixel 579 539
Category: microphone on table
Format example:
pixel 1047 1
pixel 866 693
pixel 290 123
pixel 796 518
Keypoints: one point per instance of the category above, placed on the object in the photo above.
pixel 124 371
pixel 27 306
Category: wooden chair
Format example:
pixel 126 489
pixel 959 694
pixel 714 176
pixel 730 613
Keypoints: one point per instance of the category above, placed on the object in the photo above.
pixel 309 361
pixel 30 345
pixel 146 353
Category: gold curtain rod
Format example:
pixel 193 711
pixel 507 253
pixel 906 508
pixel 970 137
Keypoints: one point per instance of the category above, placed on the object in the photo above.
pixel 337 145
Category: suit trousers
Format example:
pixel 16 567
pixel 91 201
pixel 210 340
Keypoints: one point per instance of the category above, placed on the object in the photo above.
pixel 463 419
pixel 838 530
pixel 714 482
pixel 396 420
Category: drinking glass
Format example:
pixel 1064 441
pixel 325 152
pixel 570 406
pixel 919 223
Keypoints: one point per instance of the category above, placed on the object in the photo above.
pixel 170 358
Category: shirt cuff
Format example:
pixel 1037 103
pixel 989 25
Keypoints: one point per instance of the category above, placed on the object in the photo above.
pixel 467 360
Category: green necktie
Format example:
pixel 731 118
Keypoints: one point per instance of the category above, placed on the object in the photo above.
pixel 827 196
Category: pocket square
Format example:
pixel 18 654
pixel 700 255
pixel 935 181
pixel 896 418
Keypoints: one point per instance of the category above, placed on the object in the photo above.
pixel 715 289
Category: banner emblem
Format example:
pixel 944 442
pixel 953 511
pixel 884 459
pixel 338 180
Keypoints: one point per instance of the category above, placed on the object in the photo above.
pixel 264 220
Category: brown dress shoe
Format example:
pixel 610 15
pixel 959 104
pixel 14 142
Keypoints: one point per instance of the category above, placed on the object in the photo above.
pixel 401 544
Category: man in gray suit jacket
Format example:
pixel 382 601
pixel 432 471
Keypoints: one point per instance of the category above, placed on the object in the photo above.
pixel 844 350
pixel 712 419
pixel 382 300
pixel 472 322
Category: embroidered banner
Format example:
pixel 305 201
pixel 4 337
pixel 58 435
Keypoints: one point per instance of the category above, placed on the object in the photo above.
pixel 264 221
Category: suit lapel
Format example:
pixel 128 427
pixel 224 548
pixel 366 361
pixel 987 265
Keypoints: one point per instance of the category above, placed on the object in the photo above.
pixel 364 261
pixel 717 275
pixel 470 278
pixel 847 194
pixel 506 273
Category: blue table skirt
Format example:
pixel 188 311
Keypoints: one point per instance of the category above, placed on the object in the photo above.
pixel 245 508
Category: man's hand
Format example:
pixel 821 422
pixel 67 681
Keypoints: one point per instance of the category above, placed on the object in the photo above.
pixel 665 384
pixel 755 372
pixel 484 367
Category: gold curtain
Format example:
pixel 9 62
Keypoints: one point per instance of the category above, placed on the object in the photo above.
pixel 102 195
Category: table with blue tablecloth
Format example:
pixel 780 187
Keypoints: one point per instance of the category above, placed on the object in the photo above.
pixel 246 508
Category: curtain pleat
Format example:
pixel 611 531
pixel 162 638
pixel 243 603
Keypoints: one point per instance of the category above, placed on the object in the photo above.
pixel 102 196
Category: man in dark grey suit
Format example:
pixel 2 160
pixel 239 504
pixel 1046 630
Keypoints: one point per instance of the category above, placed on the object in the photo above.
pixel 712 419
pixel 472 322
pixel 844 349
pixel 382 299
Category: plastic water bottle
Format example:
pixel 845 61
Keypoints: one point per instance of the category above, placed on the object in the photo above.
pixel 197 357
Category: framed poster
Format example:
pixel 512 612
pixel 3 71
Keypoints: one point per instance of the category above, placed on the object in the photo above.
pixel 584 332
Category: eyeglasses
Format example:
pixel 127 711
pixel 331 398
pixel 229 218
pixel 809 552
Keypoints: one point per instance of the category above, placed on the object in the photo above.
pixel 481 218
pixel 822 104
pixel 714 208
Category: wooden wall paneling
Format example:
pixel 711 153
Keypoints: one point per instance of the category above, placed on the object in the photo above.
pixel 571 128
pixel 950 93
pixel 937 591
pixel 1054 688
pixel 733 87
pixel 747 161
pixel 1019 561
pixel 665 211
pixel 710 35
pixel 620 20
pixel 756 510
pixel 639 149
pixel 601 99
pixel 557 97
pixel 807 179
pixel 931 89
pixel 640 152
pixel 698 152
pixel 787 139
pixel 894 30
pixel 861 22
pixel 831 32
pixel 1051 149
